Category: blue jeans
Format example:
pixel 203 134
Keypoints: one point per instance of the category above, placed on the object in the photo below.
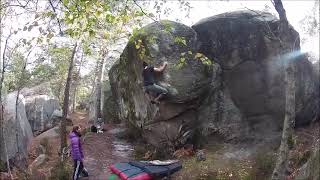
pixel 156 89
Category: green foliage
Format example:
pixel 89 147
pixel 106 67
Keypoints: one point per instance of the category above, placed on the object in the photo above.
pixel 42 73
pixel 53 69
pixel 88 18
pixel 203 58
pixel 60 57
pixel 15 75
pixel 141 48
pixel 167 26
pixel 140 39
pixel 83 92
pixel 185 56
pixel 180 40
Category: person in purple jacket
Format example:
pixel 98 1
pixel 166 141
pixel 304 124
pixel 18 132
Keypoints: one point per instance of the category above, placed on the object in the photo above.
pixel 77 153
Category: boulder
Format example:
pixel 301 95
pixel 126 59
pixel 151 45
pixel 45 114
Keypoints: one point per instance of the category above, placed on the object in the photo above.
pixel 246 45
pixel 17 130
pixel 187 79
pixel 240 94
pixel 110 107
pixel 42 108
pixel 50 134
pixel 38 161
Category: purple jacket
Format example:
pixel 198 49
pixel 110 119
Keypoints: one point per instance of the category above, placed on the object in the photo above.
pixel 76 149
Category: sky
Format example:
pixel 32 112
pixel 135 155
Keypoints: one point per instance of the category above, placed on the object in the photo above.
pixel 296 11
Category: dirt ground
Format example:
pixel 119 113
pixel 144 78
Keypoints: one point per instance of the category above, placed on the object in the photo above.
pixel 100 150
pixel 100 153
pixel 103 149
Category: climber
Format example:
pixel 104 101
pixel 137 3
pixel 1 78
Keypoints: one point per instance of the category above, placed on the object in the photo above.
pixel 77 153
pixel 149 81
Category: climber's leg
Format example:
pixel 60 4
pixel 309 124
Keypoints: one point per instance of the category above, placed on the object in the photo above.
pixel 158 90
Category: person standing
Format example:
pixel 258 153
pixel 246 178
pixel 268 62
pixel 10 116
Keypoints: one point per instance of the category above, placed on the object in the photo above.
pixel 77 153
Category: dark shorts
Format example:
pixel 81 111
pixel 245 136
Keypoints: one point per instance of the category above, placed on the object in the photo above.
pixel 156 89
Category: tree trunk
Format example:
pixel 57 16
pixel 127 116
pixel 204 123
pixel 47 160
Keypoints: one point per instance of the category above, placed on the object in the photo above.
pixel 280 170
pixel 3 152
pixel 288 125
pixel 75 85
pixel 66 101
pixel 21 83
pixel 99 84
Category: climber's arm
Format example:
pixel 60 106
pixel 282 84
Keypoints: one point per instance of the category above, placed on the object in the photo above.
pixel 161 68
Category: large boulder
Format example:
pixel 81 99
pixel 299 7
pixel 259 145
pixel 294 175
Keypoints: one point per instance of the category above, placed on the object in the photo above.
pixel 246 45
pixel 42 108
pixel 240 94
pixel 110 107
pixel 17 130
pixel 187 79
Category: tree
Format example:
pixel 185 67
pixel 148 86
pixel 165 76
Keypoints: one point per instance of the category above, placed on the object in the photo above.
pixel 21 82
pixel 280 169
pixel 3 150
pixel 75 84
pixel 66 101
pixel 99 81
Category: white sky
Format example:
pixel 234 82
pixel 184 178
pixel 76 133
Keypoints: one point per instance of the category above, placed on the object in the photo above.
pixel 296 11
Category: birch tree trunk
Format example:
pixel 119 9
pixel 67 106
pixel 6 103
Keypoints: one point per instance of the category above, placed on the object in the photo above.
pixel 66 101
pixel 75 85
pixel 281 168
pixel 99 83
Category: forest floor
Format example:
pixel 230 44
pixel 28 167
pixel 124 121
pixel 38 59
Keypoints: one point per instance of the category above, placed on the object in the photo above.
pixel 223 160
pixel 100 149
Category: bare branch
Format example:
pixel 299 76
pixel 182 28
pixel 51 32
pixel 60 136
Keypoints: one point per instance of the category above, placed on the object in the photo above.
pixel 54 10
pixel 135 2
pixel 4 52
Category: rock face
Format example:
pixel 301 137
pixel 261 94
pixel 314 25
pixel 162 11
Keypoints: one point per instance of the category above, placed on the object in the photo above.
pixel 246 45
pixel 17 131
pixel 239 94
pixel 186 78
pixel 110 107
pixel 42 108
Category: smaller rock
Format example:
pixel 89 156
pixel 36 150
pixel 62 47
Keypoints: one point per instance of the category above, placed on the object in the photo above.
pixel 41 150
pixel 51 133
pixel 201 155
pixel 38 161
pixel 57 113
